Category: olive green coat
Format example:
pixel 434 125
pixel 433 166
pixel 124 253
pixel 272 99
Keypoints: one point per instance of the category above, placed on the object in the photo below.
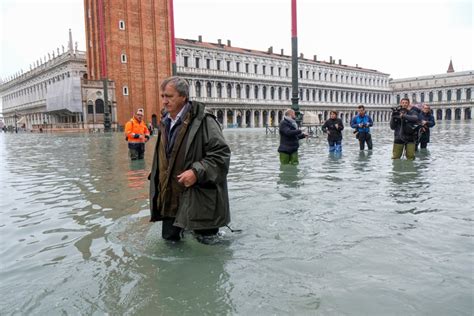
pixel 205 204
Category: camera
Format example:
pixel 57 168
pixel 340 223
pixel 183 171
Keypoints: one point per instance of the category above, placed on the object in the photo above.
pixel 396 111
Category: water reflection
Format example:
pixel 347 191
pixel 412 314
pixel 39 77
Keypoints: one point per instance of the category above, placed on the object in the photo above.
pixel 323 237
pixel 289 176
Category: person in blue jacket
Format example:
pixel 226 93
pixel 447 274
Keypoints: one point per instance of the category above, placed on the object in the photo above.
pixel 290 135
pixel 333 127
pixel 362 123
pixel 427 122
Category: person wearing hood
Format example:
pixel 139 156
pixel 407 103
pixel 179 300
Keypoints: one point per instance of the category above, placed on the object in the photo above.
pixel 404 122
pixel 290 135
pixel 188 179
pixel 136 134
pixel 333 127
pixel 427 122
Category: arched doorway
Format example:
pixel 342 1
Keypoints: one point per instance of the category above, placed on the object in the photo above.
pixel 230 118
pixel 248 114
pixel 265 118
pixel 220 117
pixel 280 116
pixel 457 114
pixel 439 115
pixel 467 113
pixel 448 114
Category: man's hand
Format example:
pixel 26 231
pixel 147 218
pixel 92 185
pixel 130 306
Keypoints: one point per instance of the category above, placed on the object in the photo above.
pixel 187 178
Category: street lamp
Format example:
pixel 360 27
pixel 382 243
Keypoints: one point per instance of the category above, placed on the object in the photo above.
pixel 294 65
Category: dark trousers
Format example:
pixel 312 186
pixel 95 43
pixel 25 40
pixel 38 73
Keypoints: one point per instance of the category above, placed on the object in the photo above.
pixel 174 233
pixel 136 150
pixel 365 138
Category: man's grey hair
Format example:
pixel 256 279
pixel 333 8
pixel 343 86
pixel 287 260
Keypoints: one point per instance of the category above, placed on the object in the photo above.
pixel 180 84
pixel 288 111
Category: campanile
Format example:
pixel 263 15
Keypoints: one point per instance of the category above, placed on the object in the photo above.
pixel 128 42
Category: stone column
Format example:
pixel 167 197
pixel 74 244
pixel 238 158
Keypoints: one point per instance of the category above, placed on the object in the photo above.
pixel 234 118
pixel 224 118
pixel 275 118
pixel 260 118
pixel 244 119
pixel 463 116
pixel 252 118
pixel 443 114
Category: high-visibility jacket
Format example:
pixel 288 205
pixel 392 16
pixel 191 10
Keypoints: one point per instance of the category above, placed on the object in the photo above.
pixel 135 127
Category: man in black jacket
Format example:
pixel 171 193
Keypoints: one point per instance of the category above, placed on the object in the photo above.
pixel 404 123
pixel 289 139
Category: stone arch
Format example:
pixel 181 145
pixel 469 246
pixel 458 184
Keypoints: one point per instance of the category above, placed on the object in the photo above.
pixel 467 113
pixel 457 113
pixel 208 90
pixel 99 106
pixel 439 114
pixel 220 116
pixel 198 89
pixel 447 116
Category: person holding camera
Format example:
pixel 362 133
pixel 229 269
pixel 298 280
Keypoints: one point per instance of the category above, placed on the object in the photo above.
pixel 333 127
pixel 136 134
pixel 362 123
pixel 405 124
pixel 427 121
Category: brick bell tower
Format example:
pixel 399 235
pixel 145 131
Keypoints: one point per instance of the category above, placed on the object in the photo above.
pixel 128 42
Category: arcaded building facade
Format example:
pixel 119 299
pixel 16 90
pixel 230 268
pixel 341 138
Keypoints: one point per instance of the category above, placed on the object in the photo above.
pixel 128 42
pixel 450 95
pixel 249 88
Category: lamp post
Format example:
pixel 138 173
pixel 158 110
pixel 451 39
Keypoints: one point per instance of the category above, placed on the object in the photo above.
pixel 173 40
pixel 294 65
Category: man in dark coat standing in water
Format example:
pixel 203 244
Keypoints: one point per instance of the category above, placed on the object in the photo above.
pixel 290 135
pixel 188 180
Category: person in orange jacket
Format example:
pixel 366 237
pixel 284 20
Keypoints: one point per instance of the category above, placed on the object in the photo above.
pixel 137 134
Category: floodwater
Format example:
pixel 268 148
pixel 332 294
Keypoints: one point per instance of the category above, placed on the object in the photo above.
pixel 358 234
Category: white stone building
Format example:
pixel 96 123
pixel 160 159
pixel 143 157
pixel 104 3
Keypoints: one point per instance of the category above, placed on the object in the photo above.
pixel 252 88
pixel 55 94
pixel 449 95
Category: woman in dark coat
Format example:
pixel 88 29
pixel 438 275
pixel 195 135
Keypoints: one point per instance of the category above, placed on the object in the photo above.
pixel 333 127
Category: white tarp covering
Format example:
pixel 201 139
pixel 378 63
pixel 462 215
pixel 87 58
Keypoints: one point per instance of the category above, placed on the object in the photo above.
pixel 65 95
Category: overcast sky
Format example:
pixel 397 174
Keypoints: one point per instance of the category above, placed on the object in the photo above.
pixel 404 38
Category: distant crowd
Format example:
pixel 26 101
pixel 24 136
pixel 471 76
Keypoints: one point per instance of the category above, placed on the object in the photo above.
pixel 411 126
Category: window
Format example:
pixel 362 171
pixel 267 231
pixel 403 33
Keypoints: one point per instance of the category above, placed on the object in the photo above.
pixel 247 68
pixel 218 65
pixel 271 70
pixel 449 95
pixel 458 94
pixel 186 61
pixel 255 69
pixel 125 90
pixel 440 96
pixel 229 90
pixel 208 64
pixel 307 74
pixel 99 106
pixel 237 66
pixel 239 91
pixel 468 94
pixel 272 93
pixel 263 69
pixel 301 74
pixel 228 65
pixel 247 91
pixel 256 92
pixel 90 108
pixel 123 58
pixel 422 97
pixel 279 71
pixel 287 72
pixel 430 96
pixel 122 24
pixel 197 62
